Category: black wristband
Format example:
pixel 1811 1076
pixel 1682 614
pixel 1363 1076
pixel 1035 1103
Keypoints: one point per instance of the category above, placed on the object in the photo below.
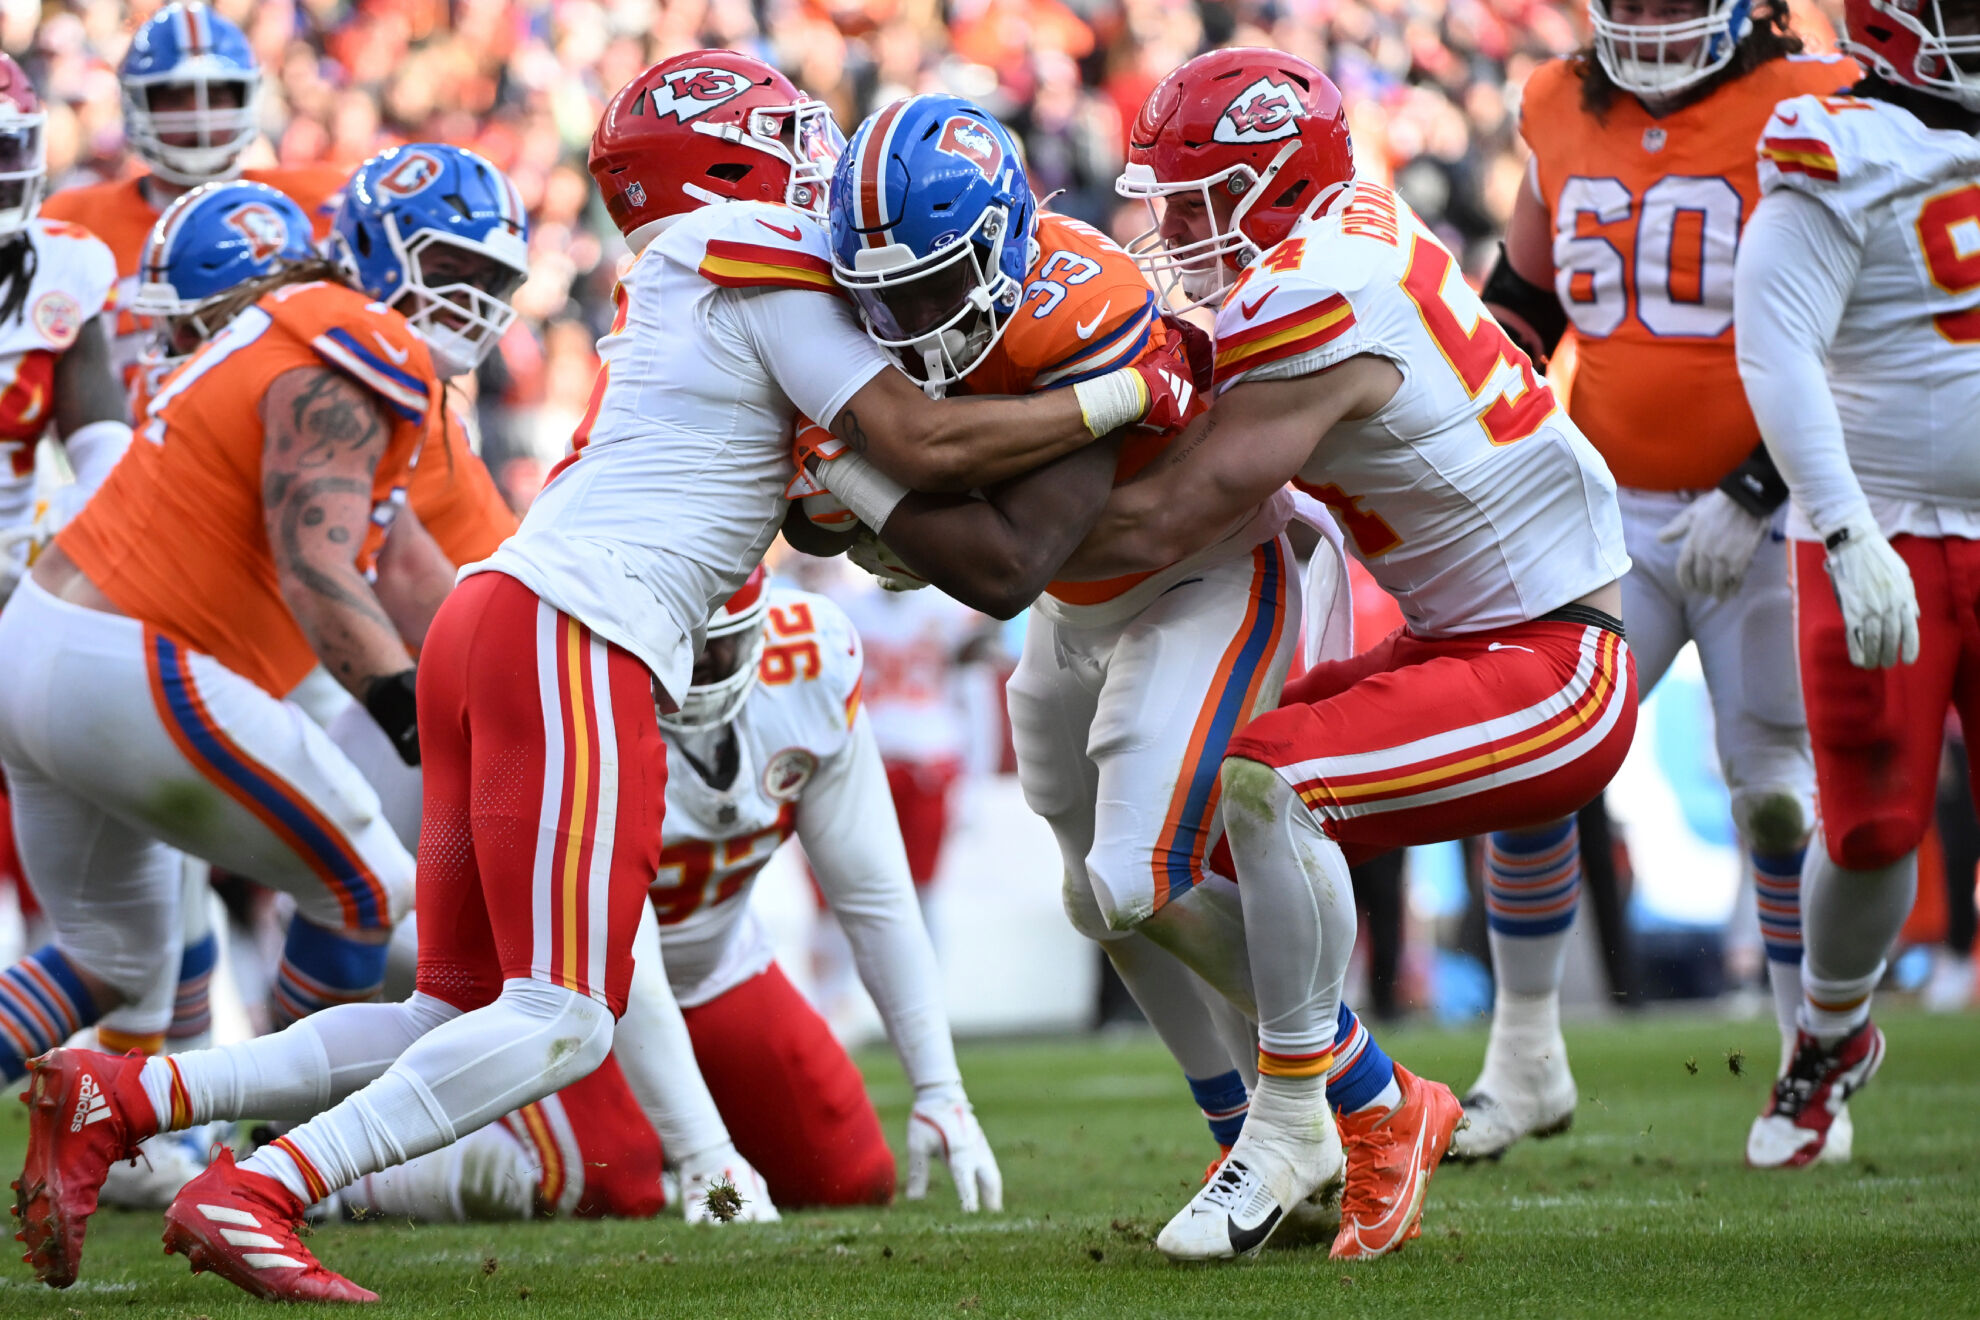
pixel 1756 484
pixel 1539 307
pixel 390 702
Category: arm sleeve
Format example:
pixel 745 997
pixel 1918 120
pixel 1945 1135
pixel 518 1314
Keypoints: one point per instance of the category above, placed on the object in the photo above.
pixel 1793 276
pixel 846 823
pixel 812 345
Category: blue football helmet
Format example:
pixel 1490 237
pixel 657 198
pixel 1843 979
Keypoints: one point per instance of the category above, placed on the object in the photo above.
pixel 209 242
pixel 189 82
pixel 933 225
pixel 439 235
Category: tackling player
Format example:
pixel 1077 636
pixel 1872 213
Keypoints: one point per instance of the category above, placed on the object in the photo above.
pixel 544 767
pixel 1128 689
pixel 1642 173
pixel 1352 358
pixel 1857 297
pixel 190 83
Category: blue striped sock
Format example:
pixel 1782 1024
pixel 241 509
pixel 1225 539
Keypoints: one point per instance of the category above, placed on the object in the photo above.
pixel 1224 1103
pixel 192 1009
pixel 1361 1070
pixel 321 968
pixel 1533 881
pixel 1777 897
pixel 42 1004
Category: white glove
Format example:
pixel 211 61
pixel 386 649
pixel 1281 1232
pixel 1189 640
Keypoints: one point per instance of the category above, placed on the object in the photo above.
pixel 1720 539
pixel 1879 604
pixel 872 554
pixel 716 1170
pixel 943 1125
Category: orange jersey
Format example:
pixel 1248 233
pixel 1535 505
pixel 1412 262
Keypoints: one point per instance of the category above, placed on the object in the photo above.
pixel 118 213
pixel 177 534
pixel 1647 215
pixel 456 498
pixel 1086 310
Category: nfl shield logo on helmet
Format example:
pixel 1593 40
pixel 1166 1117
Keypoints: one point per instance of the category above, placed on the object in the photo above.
pixel 411 174
pixel 636 193
pixel 968 138
pixel 264 231
pixel 690 93
pixel 1263 112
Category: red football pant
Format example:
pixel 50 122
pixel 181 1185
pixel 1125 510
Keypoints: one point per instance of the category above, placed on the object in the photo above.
pixel 921 802
pixel 793 1102
pixel 1417 740
pixel 1877 732
pixel 545 781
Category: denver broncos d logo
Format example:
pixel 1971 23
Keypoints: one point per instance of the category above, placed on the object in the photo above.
pixel 260 226
pixel 413 173
pixel 968 138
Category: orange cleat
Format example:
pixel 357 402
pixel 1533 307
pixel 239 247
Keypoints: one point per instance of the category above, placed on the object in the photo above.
pixel 1223 1153
pixel 86 1112
pixel 1390 1158
pixel 241 1225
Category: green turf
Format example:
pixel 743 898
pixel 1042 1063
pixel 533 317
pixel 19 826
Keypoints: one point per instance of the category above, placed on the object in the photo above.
pixel 1643 1209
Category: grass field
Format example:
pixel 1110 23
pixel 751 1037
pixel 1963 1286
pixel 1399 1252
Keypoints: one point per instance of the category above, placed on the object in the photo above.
pixel 1642 1210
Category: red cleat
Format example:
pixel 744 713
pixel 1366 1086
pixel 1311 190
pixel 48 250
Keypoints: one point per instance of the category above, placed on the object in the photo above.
pixel 1390 1158
pixel 241 1225
pixel 86 1111
pixel 1805 1119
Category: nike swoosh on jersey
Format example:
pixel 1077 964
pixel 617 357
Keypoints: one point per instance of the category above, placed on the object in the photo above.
pixel 1790 119
pixel 793 233
pixel 1501 646
pixel 398 355
pixel 1086 331
pixel 1251 309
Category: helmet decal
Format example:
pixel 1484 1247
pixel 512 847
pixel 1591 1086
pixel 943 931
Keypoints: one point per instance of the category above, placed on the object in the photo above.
pixel 1263 112
pixel 692 92
pixel 266 232
pixel 413 174
pixel 967 137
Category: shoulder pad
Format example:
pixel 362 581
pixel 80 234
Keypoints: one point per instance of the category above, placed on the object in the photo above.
pixel 1283 307
pixel 1803 144
pixel 1552 90
pixel 366 340
pixel 75 262
pixel 752 245
pixel 1086 307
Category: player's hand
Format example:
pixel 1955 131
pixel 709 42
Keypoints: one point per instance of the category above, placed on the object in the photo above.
pixel 811 445
pixel 1873 586
pixel 1720 539
pixel 1199 349
pixel 944 1127
pixel 1171 386
pixel 721 1187
pixel 872 554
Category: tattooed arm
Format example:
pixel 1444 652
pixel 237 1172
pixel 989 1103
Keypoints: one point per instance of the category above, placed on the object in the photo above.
pixel 325 437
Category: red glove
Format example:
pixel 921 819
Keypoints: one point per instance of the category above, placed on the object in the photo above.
pixel 1200 347
pixel 1165 372
pixel 811 445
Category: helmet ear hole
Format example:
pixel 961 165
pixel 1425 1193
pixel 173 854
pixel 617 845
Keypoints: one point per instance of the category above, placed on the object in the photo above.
pixel 1290 197
pixel 729 171
pixel 364 240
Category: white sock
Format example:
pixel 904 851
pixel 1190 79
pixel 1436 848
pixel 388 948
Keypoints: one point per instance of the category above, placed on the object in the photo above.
pixel 486 1175
pixel 535 1038
pixel 1850 919
pixel 1385 1099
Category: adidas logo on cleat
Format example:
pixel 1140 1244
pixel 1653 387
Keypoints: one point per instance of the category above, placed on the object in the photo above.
pixel 92 1106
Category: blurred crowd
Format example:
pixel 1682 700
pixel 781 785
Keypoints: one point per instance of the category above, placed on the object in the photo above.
pixel 1432 85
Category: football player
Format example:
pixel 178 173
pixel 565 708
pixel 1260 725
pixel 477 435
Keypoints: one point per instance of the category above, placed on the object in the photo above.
pixel 544 768
pixel 772 740
pixel 1128 689
pixel 1857 304
pixel 1641 175
pixel 1352 358
pixel 189 82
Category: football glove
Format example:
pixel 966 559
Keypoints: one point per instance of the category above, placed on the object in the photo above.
pixel 942 1126
pixel 1170 383
pixel 721 1187
pixel 872 554
pixel 1873 587
pixel 1720 539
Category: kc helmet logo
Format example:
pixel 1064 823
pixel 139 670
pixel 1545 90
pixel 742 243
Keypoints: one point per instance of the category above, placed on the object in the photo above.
pixel 968 138
pixel 413 173
pixel 261 227
pixel 690 93
pixel 1263 112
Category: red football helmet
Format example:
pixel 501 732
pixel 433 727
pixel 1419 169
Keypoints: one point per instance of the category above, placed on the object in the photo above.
pixel 1894 39
pixel 1257 125
pixel 725 675
pixel 23 148
pixel 710 126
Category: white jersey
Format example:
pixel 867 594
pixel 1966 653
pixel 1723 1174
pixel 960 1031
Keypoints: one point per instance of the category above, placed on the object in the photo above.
pixel 1903 364
pixel 727 326
pixel 913 692
pixel 1470 496
pixel 73 275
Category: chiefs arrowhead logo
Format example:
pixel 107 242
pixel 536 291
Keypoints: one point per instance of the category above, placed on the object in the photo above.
pixel 690 93
pixel 786 773
pixel 413 173
pixel 58 317
pixel 968 138
pixel 261 226
pixel 1263 112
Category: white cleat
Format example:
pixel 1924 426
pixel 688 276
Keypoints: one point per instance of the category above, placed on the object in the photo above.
pixel 165 1163
pixel 1523 1091
pixel 1269 1176
pixel 726 1191
pixel 1807 1117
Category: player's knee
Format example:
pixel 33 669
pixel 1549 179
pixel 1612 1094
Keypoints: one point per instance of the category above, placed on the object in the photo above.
pixel 1122 887
pixel 1774 819
pixel 1874 841
pixel 1253 795
pixel 1083 909
pixel 575 1030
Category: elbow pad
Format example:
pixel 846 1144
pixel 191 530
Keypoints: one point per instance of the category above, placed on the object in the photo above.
pixel 1537 306
pixel 1756 484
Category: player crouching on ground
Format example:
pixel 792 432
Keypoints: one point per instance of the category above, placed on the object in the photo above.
pixel 771 741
